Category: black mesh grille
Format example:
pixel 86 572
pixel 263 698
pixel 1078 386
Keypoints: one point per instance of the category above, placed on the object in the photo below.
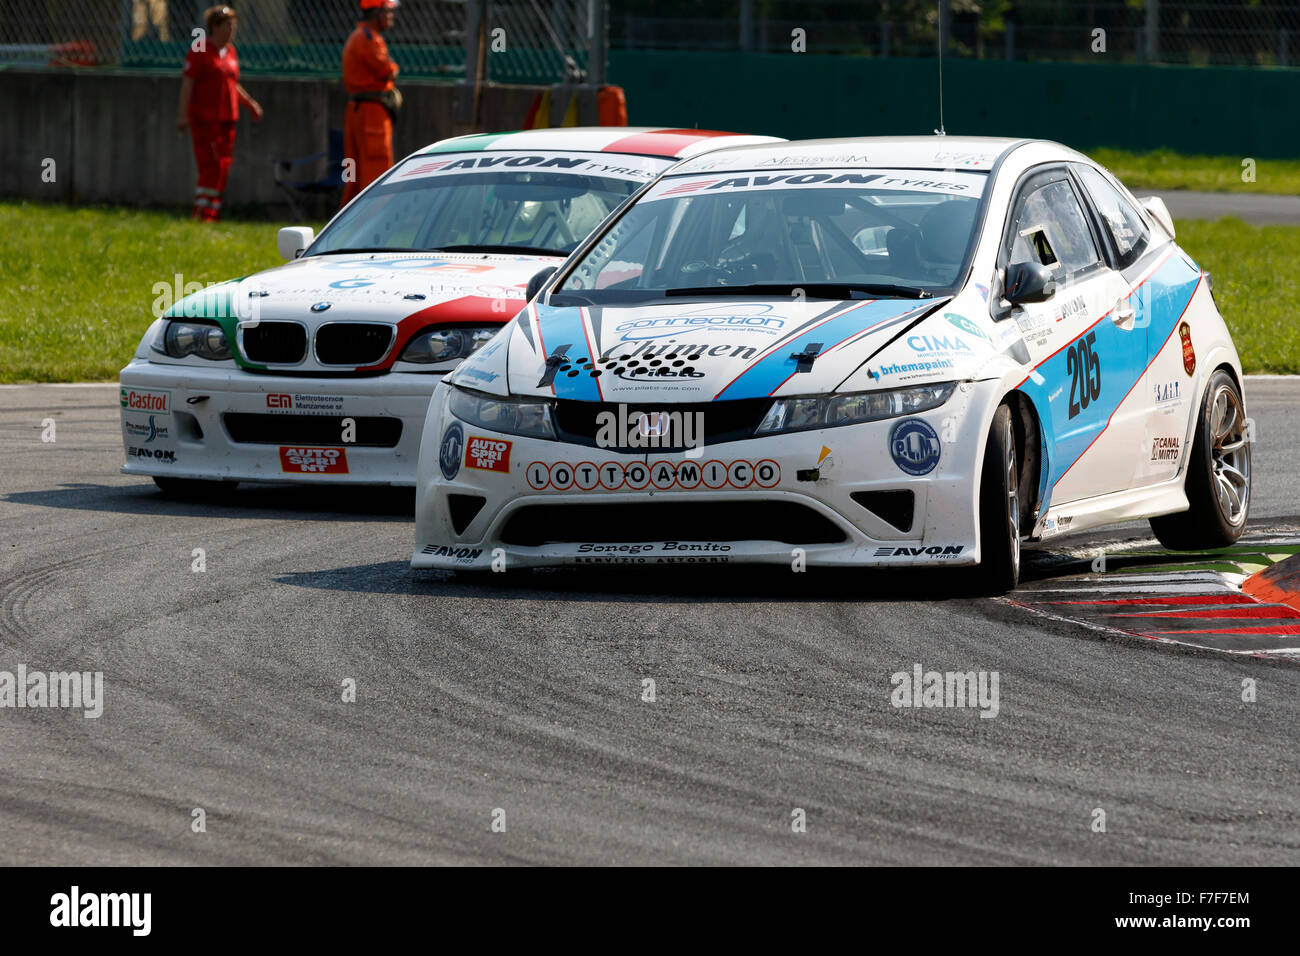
pixel 352 343
pixel 257 429
pixel 578 422
pixel 275 343
pixel 759 520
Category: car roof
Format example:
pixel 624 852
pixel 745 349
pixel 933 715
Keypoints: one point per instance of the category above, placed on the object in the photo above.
pixel 975 153
pixel 657 141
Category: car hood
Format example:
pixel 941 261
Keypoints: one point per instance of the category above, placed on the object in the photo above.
pixel 408 290
pixel 691 350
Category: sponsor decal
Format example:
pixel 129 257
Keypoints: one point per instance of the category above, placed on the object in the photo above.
pixel 1165 448
pixel 162 455
pixel 914 446
pixel 666 552
pixel 149 431
pixel 966 325
pixel 899 369
pixel 937 344
pixel 478 373
pixel 647 548
pixel 144 400
pixel 960 183
pixel 622 167
pixel 927 551
pixel 654 476
pixel 983 290
pixel 459 555
pixel 453 440
pixel 645 353
pixel 313 460
pixel 1189 354
pixel 487 454
pixel 1166 393
pixel 744 318
pixel 303 403
pixel 1073 309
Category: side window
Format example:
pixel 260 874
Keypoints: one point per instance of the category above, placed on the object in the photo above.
pixel 1123 222
pixel 1050 228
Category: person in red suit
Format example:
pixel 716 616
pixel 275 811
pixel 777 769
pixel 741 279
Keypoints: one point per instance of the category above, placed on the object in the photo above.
pixel 373 100
pixel 209 107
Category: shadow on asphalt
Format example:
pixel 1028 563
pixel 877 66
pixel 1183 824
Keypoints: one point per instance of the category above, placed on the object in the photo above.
pixel 635 585
pixel 335 503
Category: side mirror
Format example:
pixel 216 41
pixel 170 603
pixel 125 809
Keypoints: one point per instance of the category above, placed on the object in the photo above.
pixel 292 241
pixel 1028 282
pixel 537 281
pixel 1157 210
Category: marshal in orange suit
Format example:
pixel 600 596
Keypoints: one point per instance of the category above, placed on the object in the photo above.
pixel 373 101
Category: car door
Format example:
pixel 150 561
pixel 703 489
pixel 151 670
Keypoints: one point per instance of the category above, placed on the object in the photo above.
pixel 1162 400
pixel 1076 340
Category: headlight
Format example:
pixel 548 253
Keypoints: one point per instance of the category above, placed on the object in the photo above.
pixel 509 415
pixel 827 411
pixel 444 345
pixel 204 339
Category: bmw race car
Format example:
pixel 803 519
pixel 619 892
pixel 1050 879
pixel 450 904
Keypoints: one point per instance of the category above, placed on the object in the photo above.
pixel 866 352
pixel 321 370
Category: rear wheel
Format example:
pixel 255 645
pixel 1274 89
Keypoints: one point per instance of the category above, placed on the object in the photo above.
pixel 1218 475
pixel 193 487
pixel 999 567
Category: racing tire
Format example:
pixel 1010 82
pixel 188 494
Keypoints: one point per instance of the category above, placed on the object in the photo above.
pixel 193 487
pixel 1218 475
pixel 999 567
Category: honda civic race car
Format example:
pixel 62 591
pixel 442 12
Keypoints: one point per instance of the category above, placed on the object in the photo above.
pixel 876 352
pixel 321 370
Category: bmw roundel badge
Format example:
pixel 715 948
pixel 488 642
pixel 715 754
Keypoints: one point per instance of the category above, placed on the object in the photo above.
pixel 453 440
pixel 915 446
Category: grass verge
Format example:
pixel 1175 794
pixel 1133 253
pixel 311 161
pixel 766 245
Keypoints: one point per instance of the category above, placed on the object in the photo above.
pixel 81 283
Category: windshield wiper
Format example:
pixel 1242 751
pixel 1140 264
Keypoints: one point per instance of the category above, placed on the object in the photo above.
pixel 521 250
pixel 818 290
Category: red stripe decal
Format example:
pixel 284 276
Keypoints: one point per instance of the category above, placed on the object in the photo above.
pixel 664 142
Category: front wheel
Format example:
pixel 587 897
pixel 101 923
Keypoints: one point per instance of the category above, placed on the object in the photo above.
pixel 999 567
pixel 1218 475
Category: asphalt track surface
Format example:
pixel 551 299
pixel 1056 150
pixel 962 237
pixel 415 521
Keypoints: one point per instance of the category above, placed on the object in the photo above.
pixel 222 692
pixel 1257 209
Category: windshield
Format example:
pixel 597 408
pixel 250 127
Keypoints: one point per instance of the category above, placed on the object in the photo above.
pixel 832 233
pixel 541 204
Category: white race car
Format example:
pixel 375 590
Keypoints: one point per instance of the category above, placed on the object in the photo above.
pixel 321 370
pixel 875 352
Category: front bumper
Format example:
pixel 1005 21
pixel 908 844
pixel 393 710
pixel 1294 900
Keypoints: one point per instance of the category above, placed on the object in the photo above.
pixel 231 425
pixel 546 503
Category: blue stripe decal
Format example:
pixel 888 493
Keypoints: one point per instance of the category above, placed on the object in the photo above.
pixel 1124 357
pixel 561 326
pixel 767 374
